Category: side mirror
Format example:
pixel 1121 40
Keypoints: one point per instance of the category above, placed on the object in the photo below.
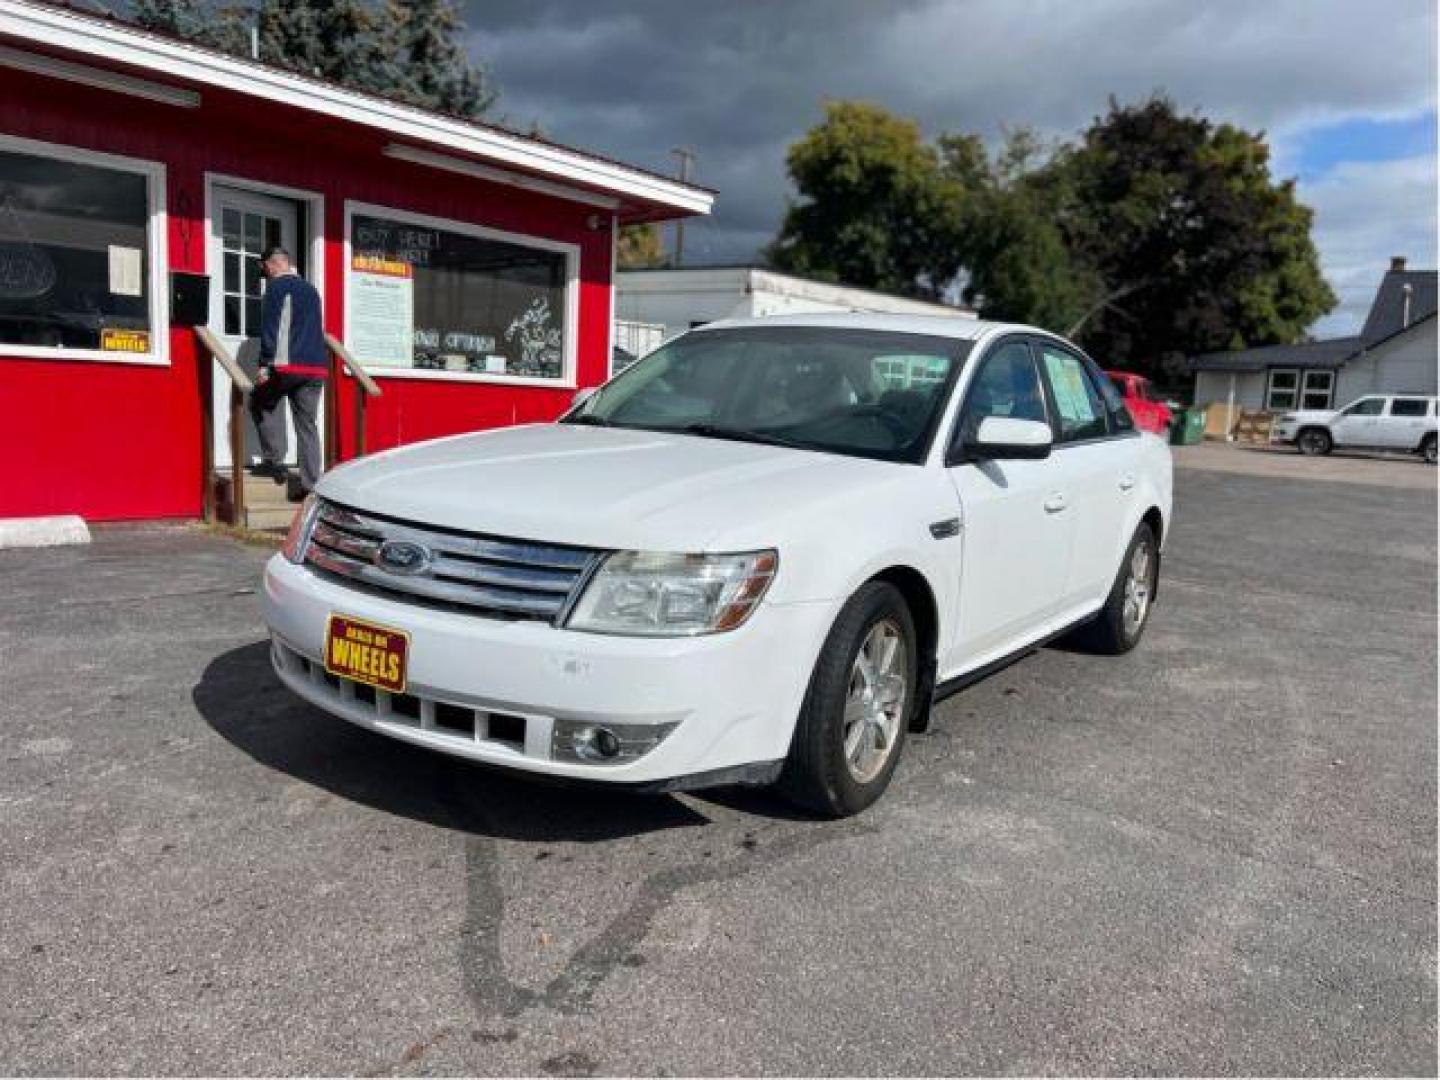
pixel 1001 437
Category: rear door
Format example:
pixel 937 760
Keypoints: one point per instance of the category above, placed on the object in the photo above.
pixel 1404 423
pixel 1015 526
pixel 1095 452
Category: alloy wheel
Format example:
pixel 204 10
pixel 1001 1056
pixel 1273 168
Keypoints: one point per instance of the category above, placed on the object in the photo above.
pixel 1137 589
pixel 875 700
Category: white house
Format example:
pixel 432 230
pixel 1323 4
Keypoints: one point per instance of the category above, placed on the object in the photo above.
pixel 1395 352
pixel 685 298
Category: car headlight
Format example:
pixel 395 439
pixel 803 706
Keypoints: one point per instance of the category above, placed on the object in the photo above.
pixel 1287 418
pixel 657 594
pixel 298 538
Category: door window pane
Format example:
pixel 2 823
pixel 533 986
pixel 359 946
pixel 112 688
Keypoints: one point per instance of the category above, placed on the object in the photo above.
pixel 1409 407
pixel 1007 384
pixel 476 305
pixel 1078 407
pixel 1372 406
pixel 74 255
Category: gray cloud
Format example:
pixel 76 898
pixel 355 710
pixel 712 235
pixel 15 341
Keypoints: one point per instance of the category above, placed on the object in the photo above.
pixel 740 80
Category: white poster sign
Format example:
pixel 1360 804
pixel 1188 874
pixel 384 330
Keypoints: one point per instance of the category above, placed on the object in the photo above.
pixel 382 312
pixel 125 263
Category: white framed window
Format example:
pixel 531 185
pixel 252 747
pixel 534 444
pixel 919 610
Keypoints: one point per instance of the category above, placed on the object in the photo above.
pixel 1282 389
pixel 434 298
pixel 82 255
pixel 1317 389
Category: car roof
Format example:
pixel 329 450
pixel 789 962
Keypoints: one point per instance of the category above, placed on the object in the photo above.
pixel 934 325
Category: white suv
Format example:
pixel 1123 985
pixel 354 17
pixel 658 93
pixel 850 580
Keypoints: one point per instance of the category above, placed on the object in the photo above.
pixel 756 555
pixel 1375 422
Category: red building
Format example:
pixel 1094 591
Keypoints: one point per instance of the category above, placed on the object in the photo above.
pixel 467 268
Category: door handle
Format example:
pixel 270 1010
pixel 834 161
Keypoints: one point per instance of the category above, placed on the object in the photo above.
pixel 1055 503
pixel 1127 482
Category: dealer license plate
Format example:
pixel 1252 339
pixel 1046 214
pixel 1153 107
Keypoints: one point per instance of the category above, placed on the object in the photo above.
pixel 366 652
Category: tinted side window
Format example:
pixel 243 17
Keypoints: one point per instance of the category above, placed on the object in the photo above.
pixel 1006 385
pixel 1120 418
pixel 1370 406
pixel 1079 409
pixel 1409 407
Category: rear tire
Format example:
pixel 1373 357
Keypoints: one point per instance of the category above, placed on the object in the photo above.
pixel 1314 442
pixel 1121 622
pixel 862 696
pixel 1428 449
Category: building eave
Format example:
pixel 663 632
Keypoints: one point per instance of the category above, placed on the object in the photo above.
pixel 641 195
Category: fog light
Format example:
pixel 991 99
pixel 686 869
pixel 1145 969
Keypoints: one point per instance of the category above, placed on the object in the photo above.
pixel 605 744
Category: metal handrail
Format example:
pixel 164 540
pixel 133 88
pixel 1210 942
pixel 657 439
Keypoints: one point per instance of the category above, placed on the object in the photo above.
pixel 240 385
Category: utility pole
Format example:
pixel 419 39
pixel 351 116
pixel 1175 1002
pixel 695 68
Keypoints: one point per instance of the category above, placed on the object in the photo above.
pixel 686 158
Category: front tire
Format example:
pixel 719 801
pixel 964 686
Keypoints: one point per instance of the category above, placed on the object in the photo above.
pixel 1428 450
pixel 1121 622
pixel 1314 442
pixel 857 709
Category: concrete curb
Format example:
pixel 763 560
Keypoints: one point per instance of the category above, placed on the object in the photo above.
pixel 43 531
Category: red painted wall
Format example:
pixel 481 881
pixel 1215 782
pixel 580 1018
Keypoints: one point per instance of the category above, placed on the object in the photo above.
pixel 112 441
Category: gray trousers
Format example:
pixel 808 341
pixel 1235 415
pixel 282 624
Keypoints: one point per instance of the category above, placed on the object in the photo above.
pixel 304 397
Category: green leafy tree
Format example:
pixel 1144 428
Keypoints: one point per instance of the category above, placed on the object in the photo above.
pixel 1192 243
pixel 641 247
pixel 874 210
pixel 1010 248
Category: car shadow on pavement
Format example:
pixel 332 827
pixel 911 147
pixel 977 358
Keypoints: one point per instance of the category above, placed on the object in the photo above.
pixel 241 698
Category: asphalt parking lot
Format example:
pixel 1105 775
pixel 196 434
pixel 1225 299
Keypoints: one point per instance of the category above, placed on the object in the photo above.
pixel 1215 855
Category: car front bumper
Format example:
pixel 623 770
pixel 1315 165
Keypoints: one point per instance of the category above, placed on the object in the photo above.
pixel 732 697
pixel 1283 433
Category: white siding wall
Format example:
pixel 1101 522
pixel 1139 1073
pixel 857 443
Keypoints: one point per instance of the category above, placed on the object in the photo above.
pixel 1214 387
pixel 1404 364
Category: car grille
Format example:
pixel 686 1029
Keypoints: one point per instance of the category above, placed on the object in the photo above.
pixel 483 575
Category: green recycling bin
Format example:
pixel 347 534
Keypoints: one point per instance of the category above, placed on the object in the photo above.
pixel 1188 428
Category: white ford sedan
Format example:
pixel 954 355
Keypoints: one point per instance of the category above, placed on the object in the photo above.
pixel 756 556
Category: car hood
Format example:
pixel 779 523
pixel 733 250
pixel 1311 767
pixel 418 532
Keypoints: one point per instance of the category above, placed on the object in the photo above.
pixel 1310 415
pixel 605 487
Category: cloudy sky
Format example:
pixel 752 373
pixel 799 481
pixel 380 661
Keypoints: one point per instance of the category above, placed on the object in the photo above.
pixel 1346 90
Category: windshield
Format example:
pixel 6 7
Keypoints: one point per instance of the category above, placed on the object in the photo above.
pixel 859 392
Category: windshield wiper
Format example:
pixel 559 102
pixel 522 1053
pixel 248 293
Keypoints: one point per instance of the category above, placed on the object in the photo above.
pixel 589 419
pixel 718 431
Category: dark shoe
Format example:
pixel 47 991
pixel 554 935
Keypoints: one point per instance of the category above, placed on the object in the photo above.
pixel 295 490
pixel 278 473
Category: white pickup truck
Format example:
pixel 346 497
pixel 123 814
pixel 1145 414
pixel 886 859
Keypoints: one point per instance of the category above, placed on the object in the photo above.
pixel 1375 422
pixel 756 556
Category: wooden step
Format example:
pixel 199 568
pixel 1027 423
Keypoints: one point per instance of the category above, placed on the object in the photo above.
pixel 267 504
pixel 269 518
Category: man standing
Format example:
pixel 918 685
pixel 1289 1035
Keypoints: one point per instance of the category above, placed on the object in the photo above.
pixel 293 365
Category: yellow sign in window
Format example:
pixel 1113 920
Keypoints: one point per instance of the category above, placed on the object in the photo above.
pixel 128 341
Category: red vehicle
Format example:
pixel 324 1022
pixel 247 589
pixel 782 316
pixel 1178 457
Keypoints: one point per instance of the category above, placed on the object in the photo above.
pixel 1145 405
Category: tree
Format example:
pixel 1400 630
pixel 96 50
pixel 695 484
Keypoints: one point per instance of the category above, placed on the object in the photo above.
pixel 875 208
pixel 641 247
pixel 223 27
pixel 433 68
pixel 408 52
pixel 1010 249
pixel 1195 247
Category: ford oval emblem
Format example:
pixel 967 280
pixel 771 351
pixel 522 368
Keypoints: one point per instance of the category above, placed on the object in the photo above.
pixel 403 557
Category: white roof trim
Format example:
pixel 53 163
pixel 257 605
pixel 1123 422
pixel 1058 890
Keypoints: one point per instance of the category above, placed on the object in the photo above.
pixel 119 44
pixel 98 77
pixel 416 156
